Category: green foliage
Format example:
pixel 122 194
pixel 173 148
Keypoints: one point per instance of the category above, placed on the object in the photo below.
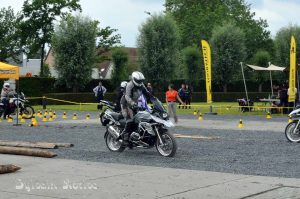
pixel 120 60
pixel 158 47
pixel 10 46
pixel 37 22
pixel 46 71
pixel 197 19
pixel 228 50
pixel 283 43
pixel 74 47
pixel 191 61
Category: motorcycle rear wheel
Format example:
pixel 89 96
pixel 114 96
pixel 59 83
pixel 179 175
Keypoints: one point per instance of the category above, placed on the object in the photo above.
pixel 27 112
pixel 289 132
pixel 113 145
pixel 169 147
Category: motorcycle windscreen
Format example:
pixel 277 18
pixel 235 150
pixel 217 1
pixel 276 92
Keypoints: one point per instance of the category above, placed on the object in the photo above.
pixel 157 105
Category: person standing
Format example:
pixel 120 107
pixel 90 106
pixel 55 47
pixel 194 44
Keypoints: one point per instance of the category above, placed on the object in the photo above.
pixel 150 90
pixel 181 93
pixel 171 97
pixel 283 98
pixel 188 96
pixel 99 92
pixel 6 92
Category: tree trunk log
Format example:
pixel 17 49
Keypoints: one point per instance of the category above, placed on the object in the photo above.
pixel 41 145
pixel 26 152
pixel 66 145
pixel 8 168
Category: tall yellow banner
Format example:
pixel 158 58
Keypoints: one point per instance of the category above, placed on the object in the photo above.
pixel 207 66
pixel 292 81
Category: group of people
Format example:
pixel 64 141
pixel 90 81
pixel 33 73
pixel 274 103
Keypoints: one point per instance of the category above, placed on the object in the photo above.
pixel 185 93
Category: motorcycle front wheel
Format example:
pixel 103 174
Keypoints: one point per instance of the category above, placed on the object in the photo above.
pixel 113 145
pixel 169 146
pixel 27 112
pixel 290 134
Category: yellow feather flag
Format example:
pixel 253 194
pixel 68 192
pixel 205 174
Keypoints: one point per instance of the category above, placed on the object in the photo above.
pixel 207 66
pixel 292 80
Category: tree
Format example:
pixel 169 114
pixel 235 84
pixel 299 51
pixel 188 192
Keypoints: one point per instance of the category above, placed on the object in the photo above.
pixel 261 58
pixel 74 47
pixel 191 61
pixel 120 59
pixel 197 19
pixel 10 47
pixel 283 43
pixel 158 47
pixel 37 22
pixel 228 50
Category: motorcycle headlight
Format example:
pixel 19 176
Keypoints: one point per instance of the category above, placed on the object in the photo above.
pixel 165 115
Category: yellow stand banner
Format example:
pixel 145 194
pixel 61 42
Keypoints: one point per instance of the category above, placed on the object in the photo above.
pixel 207 66
pixel 292 80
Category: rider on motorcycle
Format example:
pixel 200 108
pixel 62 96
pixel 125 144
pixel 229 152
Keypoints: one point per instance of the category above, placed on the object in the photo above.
pixel 129 102
pixel 6 92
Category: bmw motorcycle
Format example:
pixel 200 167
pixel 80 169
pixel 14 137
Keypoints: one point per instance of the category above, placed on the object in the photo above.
pixel 149 129
pixel 292 130
pixel 109 106
pixel 18 100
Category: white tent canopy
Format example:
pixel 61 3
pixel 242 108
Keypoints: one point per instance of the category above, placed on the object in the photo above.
pixel 270 68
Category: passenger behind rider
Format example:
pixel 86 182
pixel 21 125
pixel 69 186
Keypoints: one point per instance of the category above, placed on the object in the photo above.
pixel 129 102
pixel 6 93
pixel 120 93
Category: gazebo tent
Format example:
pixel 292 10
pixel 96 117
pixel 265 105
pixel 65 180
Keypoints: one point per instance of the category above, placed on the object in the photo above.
pixel 9 71
pixel 270 69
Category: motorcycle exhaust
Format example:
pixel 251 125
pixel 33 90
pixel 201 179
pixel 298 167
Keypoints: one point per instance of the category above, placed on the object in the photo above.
pixel 113 132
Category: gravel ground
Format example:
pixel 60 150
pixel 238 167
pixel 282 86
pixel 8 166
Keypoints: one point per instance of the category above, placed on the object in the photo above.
pixel 250 152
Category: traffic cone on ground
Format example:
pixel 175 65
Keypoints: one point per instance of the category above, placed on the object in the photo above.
pixel 45 118
pixel 200 117
pixel 241 125
pixel 34 122
pixel 54 115
pixel 195 112
pixel 88 117
pixel 23 119
pixel 64 115
pixel 50 113
pixel 269 116
pixel 10 119
pixel 20 116
pixel 50 118
pixel 75 116
pixel 46 113
pixel 40 115
pixel 290 119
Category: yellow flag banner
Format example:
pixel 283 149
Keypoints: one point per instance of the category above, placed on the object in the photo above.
pixel 292 80
pixel 207 66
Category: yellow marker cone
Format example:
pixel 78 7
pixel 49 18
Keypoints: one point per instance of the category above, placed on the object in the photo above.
pixel 45 118
pixel 64 115
pixel 10 119
pixel 50 118
pixel 88 117
pixel 50 113
pixel 34 122
pixel 75 116
pixel 23 119
pixel 241 125
pixel 54 115
pixel 46 113
pixel 20 116
pixel 195 112
pixel 290 119
pixel 200 117
pixel 269 116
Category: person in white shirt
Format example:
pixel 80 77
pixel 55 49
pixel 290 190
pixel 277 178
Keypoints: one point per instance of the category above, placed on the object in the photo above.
pixel 99 92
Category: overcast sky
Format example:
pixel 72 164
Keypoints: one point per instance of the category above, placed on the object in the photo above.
pixel 127 15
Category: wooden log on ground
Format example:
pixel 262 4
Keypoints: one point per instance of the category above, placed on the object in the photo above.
pixel 41 145
pixel 8 168
pixel 66 145
pixel 26 152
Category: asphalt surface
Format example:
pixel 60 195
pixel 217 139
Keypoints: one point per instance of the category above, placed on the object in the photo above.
pixel 250 152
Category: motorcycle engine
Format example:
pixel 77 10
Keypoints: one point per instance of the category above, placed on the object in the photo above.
pixel 135 136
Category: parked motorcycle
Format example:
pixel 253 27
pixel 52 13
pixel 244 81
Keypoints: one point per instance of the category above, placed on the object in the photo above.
pixel 18 100
pixel 292 130
pixel 149 129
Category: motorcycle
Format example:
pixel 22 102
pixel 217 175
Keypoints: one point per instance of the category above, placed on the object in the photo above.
pixel 109 106
pixel 292 130
pixel 18 100
pixel 149 129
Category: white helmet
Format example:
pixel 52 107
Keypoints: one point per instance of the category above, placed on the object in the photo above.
pixel 138 78
pixel 123 84
pixel 6 85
